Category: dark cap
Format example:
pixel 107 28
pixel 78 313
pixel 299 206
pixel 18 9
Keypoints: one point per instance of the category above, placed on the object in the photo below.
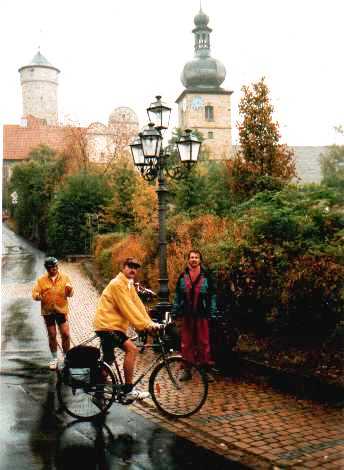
pixel 50 262
pixel 132 261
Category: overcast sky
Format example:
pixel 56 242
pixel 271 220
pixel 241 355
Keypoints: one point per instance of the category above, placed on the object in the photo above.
pixel 123 52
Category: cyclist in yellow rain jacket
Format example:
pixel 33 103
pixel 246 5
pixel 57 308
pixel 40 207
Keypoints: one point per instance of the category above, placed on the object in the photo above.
pixel 52 290
pixel 120 306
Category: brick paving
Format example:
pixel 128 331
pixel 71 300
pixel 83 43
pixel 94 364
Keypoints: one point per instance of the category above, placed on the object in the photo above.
pixel 244 421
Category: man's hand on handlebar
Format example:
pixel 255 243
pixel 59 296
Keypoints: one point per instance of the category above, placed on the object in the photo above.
pixel 153 327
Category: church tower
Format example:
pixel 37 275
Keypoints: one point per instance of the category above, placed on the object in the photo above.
pixel 204 105
pixel 39 81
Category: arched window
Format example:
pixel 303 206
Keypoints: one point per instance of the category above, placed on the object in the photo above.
pixel 209 113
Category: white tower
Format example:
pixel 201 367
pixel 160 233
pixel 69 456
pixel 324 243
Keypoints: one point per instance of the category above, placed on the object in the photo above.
pixel 39 81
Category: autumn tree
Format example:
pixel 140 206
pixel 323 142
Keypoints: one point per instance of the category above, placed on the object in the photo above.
pixel 76 150
pixel 121 132
pixel 261 161
pixel 97 147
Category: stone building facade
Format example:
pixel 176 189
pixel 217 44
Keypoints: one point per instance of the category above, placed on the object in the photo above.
pixel 39 82
pixel 204 105
pixel 105 143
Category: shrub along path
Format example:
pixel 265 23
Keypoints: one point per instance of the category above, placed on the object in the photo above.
pixel 248 422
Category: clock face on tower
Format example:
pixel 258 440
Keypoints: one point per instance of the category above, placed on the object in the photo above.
pixel 197 102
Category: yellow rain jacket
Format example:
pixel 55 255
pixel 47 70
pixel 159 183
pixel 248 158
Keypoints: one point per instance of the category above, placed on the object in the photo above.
pixel 119 306
pixel 52 293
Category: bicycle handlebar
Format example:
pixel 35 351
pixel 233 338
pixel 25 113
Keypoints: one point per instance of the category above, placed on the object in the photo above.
pixel 161 329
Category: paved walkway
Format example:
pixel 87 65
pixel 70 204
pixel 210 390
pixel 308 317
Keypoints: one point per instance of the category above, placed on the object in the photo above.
pixel 247 422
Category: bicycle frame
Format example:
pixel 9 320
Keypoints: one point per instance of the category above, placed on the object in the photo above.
pixel 163 356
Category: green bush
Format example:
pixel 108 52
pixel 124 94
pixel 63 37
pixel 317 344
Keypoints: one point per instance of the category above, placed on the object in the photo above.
pixel 35 182
pixel 312 297
pixel 81 194
pixel 285 273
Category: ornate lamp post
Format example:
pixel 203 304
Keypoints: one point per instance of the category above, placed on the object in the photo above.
pixel 154 163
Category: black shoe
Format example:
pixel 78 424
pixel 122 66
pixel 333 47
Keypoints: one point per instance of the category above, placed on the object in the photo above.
pixel 186 375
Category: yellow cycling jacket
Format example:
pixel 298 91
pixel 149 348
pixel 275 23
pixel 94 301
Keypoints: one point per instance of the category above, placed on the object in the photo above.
pixel 52 294
pixel 119 306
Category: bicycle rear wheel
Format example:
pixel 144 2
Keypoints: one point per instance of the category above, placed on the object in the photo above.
pixel 87 402
pixel 173 396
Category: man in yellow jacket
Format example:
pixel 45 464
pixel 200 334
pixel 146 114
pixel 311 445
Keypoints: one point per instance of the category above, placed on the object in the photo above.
pixel 119 306
pixel 52 290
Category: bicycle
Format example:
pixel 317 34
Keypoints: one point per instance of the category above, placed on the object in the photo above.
pixel 98 386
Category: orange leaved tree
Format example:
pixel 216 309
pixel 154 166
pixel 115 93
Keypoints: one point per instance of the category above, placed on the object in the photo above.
pixel 261 161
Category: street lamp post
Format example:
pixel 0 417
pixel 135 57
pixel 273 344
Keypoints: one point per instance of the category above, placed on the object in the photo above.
pixel 153 162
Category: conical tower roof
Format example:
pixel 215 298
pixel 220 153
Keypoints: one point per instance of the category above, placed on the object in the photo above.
pixel 39 60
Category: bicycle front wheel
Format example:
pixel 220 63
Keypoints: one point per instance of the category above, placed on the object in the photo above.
pixel 91 400
pixel 172 394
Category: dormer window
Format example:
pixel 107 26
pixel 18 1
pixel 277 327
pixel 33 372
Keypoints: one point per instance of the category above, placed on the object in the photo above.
pixel 209 113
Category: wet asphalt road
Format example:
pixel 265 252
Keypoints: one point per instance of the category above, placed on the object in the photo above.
pixel 34 434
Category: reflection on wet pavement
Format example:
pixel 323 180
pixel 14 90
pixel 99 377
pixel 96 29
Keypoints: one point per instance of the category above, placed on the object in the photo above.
pixel 16 324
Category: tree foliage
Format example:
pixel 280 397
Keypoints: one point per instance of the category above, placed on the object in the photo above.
pixel 81 194
pixel 119 215
pixel 35 182
pixel 261 161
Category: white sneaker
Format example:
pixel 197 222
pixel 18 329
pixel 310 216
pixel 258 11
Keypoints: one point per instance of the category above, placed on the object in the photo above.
pixel 53 364
pixel 136 395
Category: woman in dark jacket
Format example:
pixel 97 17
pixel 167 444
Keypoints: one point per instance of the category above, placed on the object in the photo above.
pixel 195 303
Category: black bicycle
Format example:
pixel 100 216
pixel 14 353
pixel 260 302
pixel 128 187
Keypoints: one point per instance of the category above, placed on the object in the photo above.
pixel 87 386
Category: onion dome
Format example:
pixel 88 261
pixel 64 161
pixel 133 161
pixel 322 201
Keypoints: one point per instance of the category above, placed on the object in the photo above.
pixel 201 19
pixel 203 71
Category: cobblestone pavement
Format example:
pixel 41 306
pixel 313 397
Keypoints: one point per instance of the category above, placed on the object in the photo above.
pixel 251 423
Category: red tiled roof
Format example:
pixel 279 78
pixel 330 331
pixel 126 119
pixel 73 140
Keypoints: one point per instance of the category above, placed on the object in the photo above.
pixel 18 141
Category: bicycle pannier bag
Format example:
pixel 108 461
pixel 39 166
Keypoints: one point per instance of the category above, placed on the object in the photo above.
pixel 80 361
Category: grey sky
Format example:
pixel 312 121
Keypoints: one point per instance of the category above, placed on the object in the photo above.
pixel 122 53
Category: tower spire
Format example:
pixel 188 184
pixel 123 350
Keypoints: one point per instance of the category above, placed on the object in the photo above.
pixel 202 33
